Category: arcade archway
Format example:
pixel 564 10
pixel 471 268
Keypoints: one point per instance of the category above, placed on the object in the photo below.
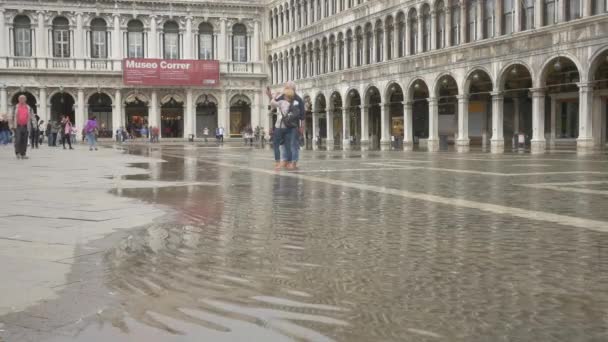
pixel 172 117
pixel 240 115
pixel 515 83
pixel 206 114
pixel 374 119
pixel 320 115
pixel 394 99
pixel 62 103
pixel 353 108
pixel 478 107
pixel 419 94
pixel 100 105
pixel 136 114
pixel 599 82
pixel 561 78
pixel 336 108
pixel 447 107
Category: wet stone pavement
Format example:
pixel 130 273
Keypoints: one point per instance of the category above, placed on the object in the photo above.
pixel 355 246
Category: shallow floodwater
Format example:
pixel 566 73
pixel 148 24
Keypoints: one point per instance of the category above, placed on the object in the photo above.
pixel 253 255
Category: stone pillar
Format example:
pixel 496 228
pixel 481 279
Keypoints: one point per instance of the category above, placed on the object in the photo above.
pixel 433 30
pixel 116 43
pixel 345 56
pixel 3 42
pixel 479 21
pixel 407 50
pixel 154 115
pixel 189 117
pixel 538 120
pixel 117 120
pixel 81 112
pixel 315 129
pixel 79 43
pixel 553 133
pixel 585 120
pixel 498 16
pixel 420 40
pixel 587 8
pixel 255 50
pixel 223 113
pixel 364 125
pixel 448 25
pixel 310 12
pixel 497 143
pixel 463 21
pixel 4 99
pixel 42 108
pixel 538 13
pixel 561 10
pixel 515 115
pixel 518 9
pixel 385 44
pixel 188 39
pixel 433 140
pixel 284 23
pixel 222 40
pixel 408 140
pixel 385 124
pixel 364 59
pixel 153 39
pixel 463 121
pixel 330 128
pixel 256 113
pixel 345 128
pixel 41 41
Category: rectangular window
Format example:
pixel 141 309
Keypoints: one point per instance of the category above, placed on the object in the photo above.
pixel 61 46
pixel 136 45
pixel 549 12
pixel 528 15
pixel 239 48
pixel 171 46
pixel 23 42
pixel 98 45
pixel 574 9
pixel 507 16
pixel 205 46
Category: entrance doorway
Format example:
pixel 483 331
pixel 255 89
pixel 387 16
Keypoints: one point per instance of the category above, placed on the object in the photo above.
pixel 63 104
pixel 240 115
pixel 100 105
pixel 206 115
pixel 172 118
pixel 136 113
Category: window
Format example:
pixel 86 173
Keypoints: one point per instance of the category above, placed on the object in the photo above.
pixel 488 19
pixel 573 9
pixel 341 54
pixel 61 38
pixel 440 25
pixel 359 49
pixel 135 39
pixel 205 41
pixel 549 12
pixel 527 20
pixel 326 4
pixel 508 15
pixel 318 16
pixel 239 43
pixel 472 20
pixel 426 28
pixel 390 33
pixel 271 27
pixel 304 64
pixel 379 44
pixel 298 66
pixel 171 40
pixel 349 49
pixel 401 33
pixel 305 14
pixel 99 38
pixel 413 32
pixel 369 45
pixel 23 36
pixel 455 29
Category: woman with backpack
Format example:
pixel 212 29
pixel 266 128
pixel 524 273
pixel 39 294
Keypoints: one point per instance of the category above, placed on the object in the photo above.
pixel 285 127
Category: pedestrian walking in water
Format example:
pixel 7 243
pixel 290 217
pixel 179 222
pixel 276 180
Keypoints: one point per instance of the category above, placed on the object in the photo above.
pixel 91 133
pixel 22 124
pixel 285 126
pixel 67 132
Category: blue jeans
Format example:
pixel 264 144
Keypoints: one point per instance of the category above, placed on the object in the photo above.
pixel 283 136
pixel 295 146
pixel 4 137
pixel 92 139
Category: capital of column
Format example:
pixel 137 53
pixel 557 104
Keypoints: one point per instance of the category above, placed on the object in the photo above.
pixel 463 97
pixel 584 86
pixel 497 95
pixel 537 92
pixel 407 103
pixel 432 101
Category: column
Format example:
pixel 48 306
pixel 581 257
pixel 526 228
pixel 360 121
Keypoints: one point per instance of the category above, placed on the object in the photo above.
pixel 585 121
pixel 4 100
pixel 433 30
pixel 222 40
pixel 517 19
pixel 497 143
pixel 81 113
pixel 479 21
pixel 385 125
pixel 315 129
pixel 188 39
pixel 515 115
pixel 116 43
pixel 255 50
pixel 3 42
pixel 322 3
pixel 310 11
pixel 420 40
pixel 538 14
pixel 189 117
pixel 256 112
pixel 448 25
pixel 330 128
pixel 364 59
pixel 538 120
pixel 498 16
pixel 553 133
pixel 153 39
pixel 408 126
pixel 385 44
pixel 79 43
pixel 154 115
pixel 463 21
pixel 433 141
pixel 117 112
pixel 42 106
pixel 345 128
pixel 463 120
pixel 223 115
pixel 41 39
pixel 587 8
pixel 364 125
pixel 284 23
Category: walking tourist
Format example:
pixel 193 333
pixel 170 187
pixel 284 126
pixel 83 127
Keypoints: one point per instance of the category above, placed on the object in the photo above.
pixel 285 126
pixel 4 130
pixel 47 131
pixel 55 129
pixel 22 124
pixel 67 132
pixel 205 133
pixel 221 134
pixel 299 130
pixel 91 132
pixel 34 133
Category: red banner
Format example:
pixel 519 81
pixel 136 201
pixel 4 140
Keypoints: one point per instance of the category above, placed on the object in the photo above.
pixel 170 72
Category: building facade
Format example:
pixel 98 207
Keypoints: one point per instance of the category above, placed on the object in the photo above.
pixel 66 57
pixel 469 71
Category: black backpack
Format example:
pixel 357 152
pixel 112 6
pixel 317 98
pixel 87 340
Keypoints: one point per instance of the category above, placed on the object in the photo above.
pixel 292 118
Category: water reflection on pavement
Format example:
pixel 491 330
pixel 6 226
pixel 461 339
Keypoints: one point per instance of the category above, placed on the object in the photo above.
pixel 257 256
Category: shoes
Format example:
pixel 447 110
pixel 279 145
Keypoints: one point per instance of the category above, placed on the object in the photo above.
pixel 277 165
pixel 95 148
pixel 64 147
pixel 290 166
pixel 71 148
pixel 18 156
pixel 90 149
pixel 25 157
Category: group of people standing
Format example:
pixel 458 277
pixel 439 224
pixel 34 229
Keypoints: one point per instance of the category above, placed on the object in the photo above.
pixel 288 127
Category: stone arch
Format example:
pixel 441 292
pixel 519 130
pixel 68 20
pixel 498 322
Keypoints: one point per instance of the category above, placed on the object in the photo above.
pixel 387 91
pixel 410 85
pixel 541 79
pixel 366 92
pixel 466 82
pixel 134 96
pixel 500 79
pixel 346 97
pixel 594 61
pixel 57 91
pixel 435 84
pixel 20 91
pixel 95 92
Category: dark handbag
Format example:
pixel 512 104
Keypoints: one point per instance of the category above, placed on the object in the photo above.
pixel 292 118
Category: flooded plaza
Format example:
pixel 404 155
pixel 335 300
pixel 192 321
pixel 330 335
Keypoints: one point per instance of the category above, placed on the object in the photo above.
pixel 354 246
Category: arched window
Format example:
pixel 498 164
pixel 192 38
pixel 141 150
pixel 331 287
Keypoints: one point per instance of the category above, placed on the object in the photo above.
pixel 390 34
pixel 305 14
pixel 332 55
pixel 349 49
pixel 359 47
pixel 298 64
pixel 508 16
pixel 488 19
pixel 472 20
pixel 527 18
pixel 61 38
pixel 135 39
pixel 426 28
pixel 340 52
pixel 440 10
pixel 99 38
pixel 271 21
pixel 369 44
pixel 326 4
pixel 599 6
pixel 549 12
pixel 325 51
pixel 573 9
pixel 239 43
pixel 205 41
pixel 304 63
pixel 401 32
pixel 413 39
pixel 455 18
pixel 318 15
pixel 379 42
pixel 171 40
pixel 22 36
